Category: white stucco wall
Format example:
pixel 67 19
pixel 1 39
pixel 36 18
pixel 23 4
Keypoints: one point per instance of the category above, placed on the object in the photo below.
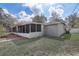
pixel 54 30
pixel 60 29
pixel 51 30
pixel 30 35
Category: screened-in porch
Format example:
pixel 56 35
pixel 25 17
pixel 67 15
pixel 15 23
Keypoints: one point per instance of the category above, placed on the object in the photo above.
pixel 29 30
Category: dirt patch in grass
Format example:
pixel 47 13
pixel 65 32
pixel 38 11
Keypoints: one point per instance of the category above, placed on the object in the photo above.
pixel 13 36
pixel 70 47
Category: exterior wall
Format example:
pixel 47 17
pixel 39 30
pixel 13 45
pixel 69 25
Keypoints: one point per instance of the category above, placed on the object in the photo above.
pixel 30 35
pixel 54 30
pixel 60 29
pixel 51 30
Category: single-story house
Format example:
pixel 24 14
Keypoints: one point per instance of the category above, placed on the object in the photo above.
pixel 34 29
pixel 28 29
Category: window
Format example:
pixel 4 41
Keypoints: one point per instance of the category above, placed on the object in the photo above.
pixel 20 29
pixel 27 28
pixel 33 28
pixel 38 27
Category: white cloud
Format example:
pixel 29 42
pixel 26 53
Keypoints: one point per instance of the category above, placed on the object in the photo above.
pixel 36 8
pixel 39 8
pixel 22 14
pixel 6 11
pixel 13 16
pixel 57 10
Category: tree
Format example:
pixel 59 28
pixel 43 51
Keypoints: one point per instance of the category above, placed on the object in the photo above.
pixel 71 19
pixel 6 19
pixel 40 19
pixel 55 17
pixel 1 16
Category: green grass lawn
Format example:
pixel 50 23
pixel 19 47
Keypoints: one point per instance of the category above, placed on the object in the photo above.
pixel 66 36
pixel 75 37
pixel 39 47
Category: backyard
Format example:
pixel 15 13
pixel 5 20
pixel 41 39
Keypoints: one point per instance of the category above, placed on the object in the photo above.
pixel 25 29
pixel 42 46
pixel 12 45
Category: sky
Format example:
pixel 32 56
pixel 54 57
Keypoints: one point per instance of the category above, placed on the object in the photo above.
pixel 32 9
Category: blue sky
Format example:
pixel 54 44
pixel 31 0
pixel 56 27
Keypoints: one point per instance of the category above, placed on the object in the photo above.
pixel 15 8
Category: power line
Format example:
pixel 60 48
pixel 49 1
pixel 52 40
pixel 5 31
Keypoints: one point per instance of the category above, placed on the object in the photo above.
pixel 73 11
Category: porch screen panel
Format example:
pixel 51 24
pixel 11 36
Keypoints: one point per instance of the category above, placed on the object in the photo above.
pixel 27 28
pixel 23 27
pixel 20 29
pixel 38 27
pixel 33 28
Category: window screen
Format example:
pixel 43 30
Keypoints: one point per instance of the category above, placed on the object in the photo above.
pixel 20 29
pixel 38 27
pixel 33 28
pixel 23 27
pixel 27 28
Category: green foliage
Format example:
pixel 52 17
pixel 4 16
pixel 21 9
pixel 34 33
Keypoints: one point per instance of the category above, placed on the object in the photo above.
pixel 6 19
pixel 72 19
pixel 65 36
pixel 39 19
